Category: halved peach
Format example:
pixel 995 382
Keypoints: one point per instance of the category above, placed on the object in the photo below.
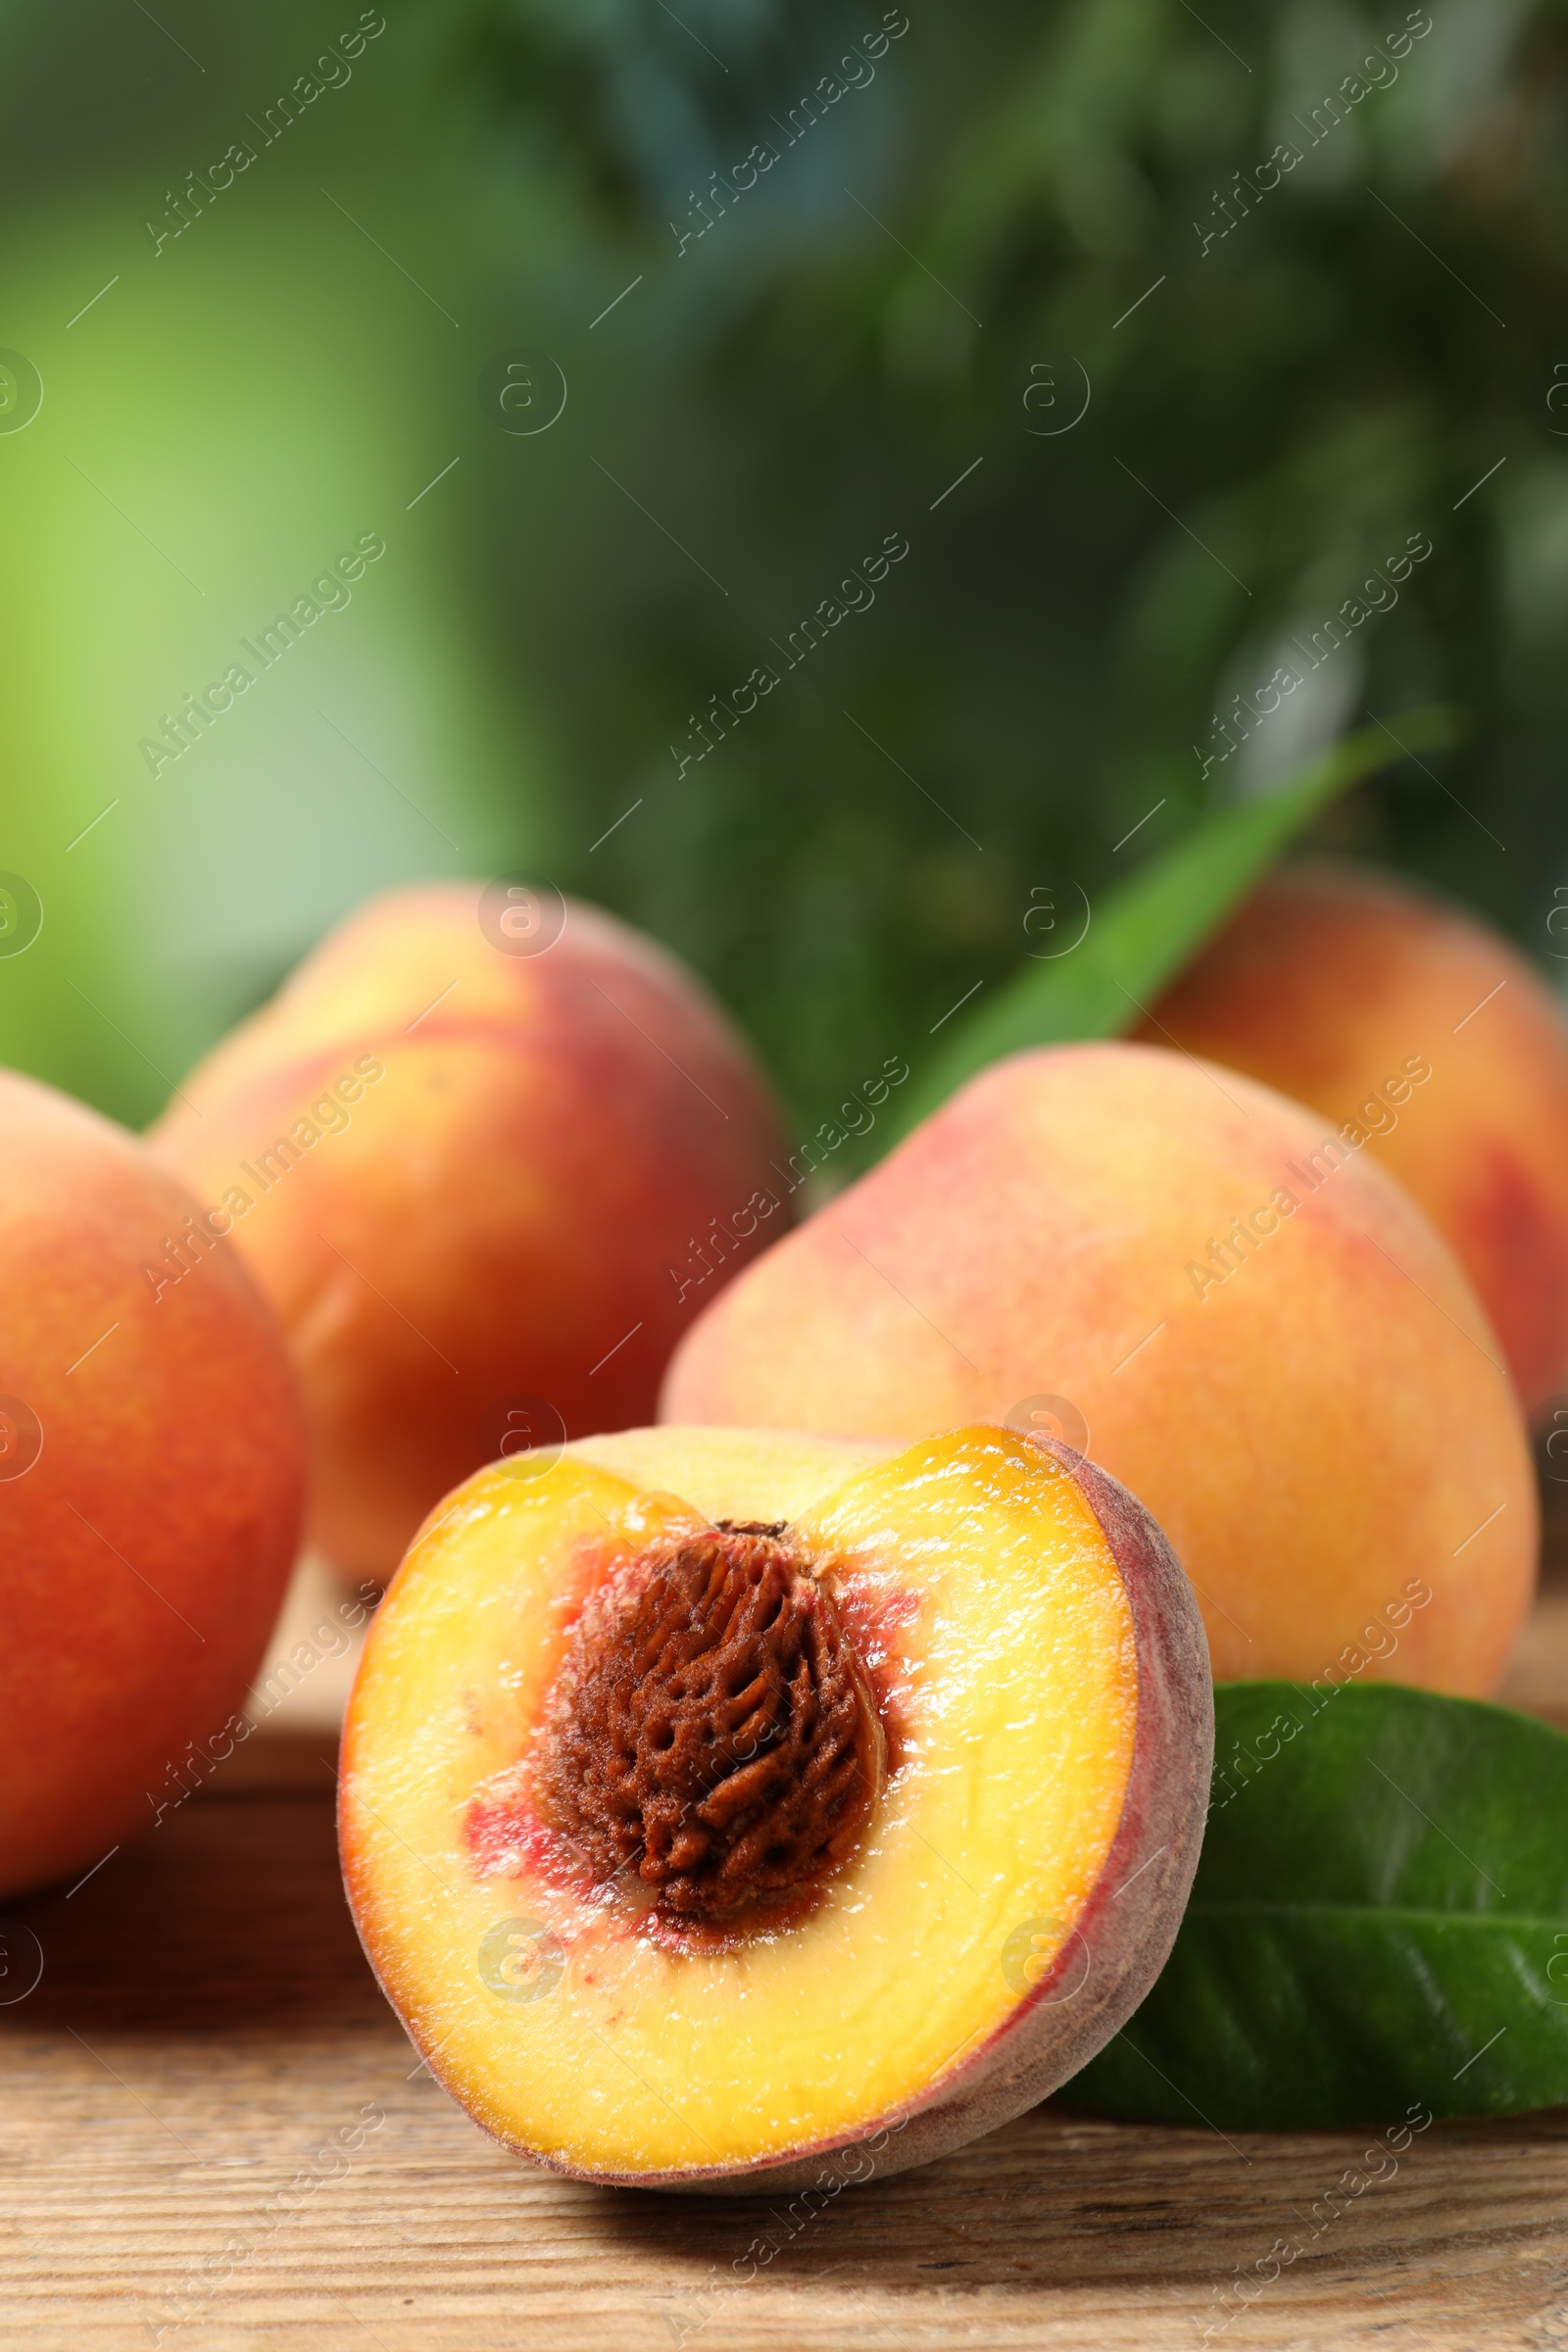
pixel 719 1804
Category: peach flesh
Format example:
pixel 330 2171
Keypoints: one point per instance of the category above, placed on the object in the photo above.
pixel 1055 1585
pixel 1363 996
pixel 480 1188
pixel 1316 1411
pixel 151 1482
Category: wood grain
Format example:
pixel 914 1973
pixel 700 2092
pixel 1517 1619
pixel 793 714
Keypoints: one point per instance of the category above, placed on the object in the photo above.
pixel 206 2027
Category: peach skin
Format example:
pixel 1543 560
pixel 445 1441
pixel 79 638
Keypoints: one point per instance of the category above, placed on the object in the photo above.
pixel 472 1154
pixel 1383 1008
pixel 151 1485
pixel 1237 1314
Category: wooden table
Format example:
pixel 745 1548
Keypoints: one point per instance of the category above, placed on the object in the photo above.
pixel 205 2026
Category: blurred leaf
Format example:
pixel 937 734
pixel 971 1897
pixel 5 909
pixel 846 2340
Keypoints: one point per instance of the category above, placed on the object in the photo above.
pixel 1143 933
pixel 1379 1920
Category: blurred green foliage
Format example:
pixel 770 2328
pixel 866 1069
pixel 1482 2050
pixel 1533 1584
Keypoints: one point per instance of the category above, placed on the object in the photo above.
pixel 1115 958
pixel 1001 208
pixel 226 408
pixel 1293 400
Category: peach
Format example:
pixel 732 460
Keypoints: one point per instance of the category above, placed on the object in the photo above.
pixel 1392 1013
pixel 481 1153
pixel 724 1810
pixel 1244 1321
pixel 151 1486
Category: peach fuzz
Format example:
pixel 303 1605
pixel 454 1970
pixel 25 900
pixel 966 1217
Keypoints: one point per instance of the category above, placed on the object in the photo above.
pixel 471 1171
pixel 1387 1011
pixel 817 1954
pixel 151 1482
pixel 1263 1336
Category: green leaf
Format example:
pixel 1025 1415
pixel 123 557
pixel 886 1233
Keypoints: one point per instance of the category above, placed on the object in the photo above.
pixel 1146 929
pixel 1379 1920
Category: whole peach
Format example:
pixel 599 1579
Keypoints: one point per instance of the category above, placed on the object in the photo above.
pixel 1230 1310
pixel 484 1156
pixel 1382 1007
pixel 151 1484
